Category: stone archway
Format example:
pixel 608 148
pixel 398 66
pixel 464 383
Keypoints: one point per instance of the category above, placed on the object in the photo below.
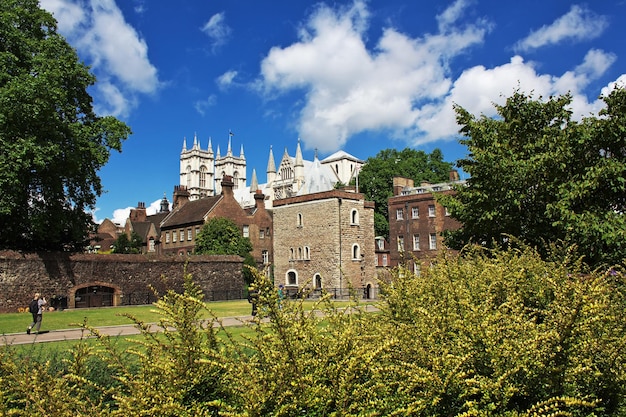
pixel 94 294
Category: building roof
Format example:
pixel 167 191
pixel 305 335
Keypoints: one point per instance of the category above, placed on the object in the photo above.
pixel 340 155
pixel 191 212
pixel 318 178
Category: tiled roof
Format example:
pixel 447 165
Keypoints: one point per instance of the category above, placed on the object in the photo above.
pixel 191 212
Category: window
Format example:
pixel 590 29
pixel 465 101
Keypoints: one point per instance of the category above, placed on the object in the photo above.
pixel 354 216
pixel 299 253
pixel 246 230
pixel 317 279
pixel 267 231
pixel 399 214
pixel 416 242
pixel 381 244
pixel 151 245
pixel 447 212
pixel 291 253
pixel 431 210
pixel 299 220
pixel 415 212
pixel 167 237
pixel 189 234
pixel 173 235
pixel 307 252
pixel 292 278
pixel 266 257
pixel 203 172
pixel 182 235
pixel 261 234
pixel 356 252
pixel 400 244
pixel 197 231
pixel 433 241
pixel 385 259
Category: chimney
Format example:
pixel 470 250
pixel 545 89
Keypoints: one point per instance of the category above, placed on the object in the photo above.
pixel 400 183
pixel 227 186
pixel 181 196
pixel 454 175
pixel 259 200
pixel 138 214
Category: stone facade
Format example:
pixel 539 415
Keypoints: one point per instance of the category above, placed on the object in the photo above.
pixel 325 240
pixel 114 277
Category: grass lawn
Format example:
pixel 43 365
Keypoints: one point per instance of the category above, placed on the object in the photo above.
pixel 111 316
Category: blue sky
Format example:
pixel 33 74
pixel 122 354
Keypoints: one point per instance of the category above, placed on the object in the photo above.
pixel 360 76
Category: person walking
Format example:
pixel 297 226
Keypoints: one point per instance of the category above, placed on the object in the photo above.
pixel 36 308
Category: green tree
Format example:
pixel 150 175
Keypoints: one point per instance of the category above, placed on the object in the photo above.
pixel 538 175
pixel 376 177
pixel 52 144
pixel 125 245
pixel 221 236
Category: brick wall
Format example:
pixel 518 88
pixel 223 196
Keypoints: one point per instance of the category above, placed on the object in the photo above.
pixel 62 274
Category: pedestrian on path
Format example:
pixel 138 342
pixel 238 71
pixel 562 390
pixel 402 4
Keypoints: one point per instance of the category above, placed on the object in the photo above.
pixel 36 308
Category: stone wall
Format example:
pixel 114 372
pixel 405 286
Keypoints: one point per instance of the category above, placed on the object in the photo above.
pixel 63 274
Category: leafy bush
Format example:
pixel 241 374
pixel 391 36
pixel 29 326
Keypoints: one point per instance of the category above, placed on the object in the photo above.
pixel 498 333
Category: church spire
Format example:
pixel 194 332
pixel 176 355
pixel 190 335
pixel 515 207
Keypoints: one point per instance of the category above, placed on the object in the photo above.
pixel 210 148
pixel 299 160
pixel 184 144
pixel 195 141
pixel 254 183
pixel 241 155
pixel 229 152
pixel 271 166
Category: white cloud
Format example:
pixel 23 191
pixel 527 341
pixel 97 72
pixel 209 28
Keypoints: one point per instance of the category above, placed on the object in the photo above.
pixel 111 46
pixel 120 215
pixel 217 30
pixel 403 86
pixel 202 106
pixel 350 89
pixel 226 80
pixel 578 24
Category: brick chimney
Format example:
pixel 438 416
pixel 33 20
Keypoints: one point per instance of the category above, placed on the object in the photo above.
pixel 138 214
pixel 227 186
pixel 259 199
pixel 454 175
pixel 399 183
pixel 181 196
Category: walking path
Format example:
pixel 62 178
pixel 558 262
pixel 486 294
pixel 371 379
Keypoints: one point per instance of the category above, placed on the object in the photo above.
pixel 121 330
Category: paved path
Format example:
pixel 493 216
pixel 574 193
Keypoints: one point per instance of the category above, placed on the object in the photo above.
pixel 74 334
pixel 122 330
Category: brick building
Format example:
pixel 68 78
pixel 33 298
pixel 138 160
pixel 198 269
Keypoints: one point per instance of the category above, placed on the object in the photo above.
pixel 325 240
pixel 181 226
pixel 416 220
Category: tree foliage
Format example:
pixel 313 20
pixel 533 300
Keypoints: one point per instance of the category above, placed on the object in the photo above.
pixel 52 144
pixel 221 236
pixel 376 177
pixel 125 245
pixel 538 175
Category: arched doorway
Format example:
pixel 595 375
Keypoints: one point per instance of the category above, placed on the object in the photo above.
pixel 368 291
pixel 95 295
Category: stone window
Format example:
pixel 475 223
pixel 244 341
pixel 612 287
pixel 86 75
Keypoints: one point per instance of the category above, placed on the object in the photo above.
pixel 266 257
pixel 189 234
pixel 415 212
pixel 151 246
pixel 182 235
pixel 385 259
pixel 354 217
pixel 399 214
pixel 167 237
pixel 292 278
pixel 356 252
pixel 299 220
pixel 431 210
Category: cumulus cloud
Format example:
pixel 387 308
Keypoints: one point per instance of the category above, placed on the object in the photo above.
pixel 578 24
pixel 349 88
pixel 217 30
pixel 403 85
pixel 226 80
pixel 112 47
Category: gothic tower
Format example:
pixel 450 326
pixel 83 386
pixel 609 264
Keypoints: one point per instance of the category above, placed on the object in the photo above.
pixel 197 170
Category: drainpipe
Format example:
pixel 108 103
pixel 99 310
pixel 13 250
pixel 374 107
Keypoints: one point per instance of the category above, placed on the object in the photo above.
pixel 340 254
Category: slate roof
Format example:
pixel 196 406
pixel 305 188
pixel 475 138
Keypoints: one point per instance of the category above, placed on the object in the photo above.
pixel 191 212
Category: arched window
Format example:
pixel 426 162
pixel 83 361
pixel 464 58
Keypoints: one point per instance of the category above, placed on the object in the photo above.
pixel 203 172
pixel 356 252
pixel 307 252
pixel 291 253
pixel 299 220
pixel 317 280
pixel 188 176
pixel 299 253
pixel 354 216
pixel 292 278
pixel 235 178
